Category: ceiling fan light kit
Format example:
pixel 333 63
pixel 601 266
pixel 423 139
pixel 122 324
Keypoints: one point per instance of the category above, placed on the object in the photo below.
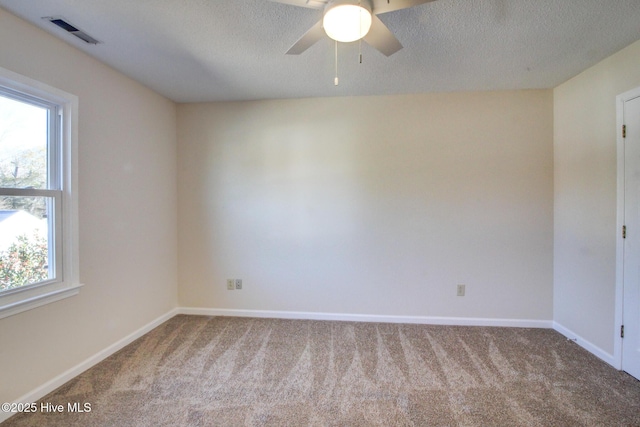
pixel 357 18
pixel 351 20
pixel 347 21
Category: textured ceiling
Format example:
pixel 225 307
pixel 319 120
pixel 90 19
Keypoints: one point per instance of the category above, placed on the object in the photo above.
pixel 214 50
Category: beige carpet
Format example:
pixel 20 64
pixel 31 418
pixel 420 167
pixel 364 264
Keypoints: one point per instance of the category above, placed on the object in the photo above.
pixel 221 371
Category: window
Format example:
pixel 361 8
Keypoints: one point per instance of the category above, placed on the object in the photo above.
pixel 38 204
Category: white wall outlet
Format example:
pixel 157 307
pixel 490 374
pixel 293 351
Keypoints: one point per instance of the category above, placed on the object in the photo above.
pixel 238 283
pixel 461 290
pixel 231 284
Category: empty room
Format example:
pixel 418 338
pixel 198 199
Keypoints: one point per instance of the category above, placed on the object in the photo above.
pixel 265 213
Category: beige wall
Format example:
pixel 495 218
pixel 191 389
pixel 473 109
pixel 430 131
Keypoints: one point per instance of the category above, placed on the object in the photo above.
pixel 585 196
pixel 373 205
pixel 370 205
pixel 127 206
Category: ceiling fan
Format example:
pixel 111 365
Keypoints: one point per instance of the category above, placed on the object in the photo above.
pixel 351 20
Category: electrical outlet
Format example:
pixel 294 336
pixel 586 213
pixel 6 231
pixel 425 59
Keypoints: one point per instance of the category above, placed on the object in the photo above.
pixel 231 284
pixel 238 283
pixel 461 289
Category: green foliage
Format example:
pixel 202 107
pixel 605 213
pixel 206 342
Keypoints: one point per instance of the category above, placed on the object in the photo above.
pixel 22 165
pixel 24 262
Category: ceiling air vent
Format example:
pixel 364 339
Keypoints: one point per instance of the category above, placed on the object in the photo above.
pixel 60 22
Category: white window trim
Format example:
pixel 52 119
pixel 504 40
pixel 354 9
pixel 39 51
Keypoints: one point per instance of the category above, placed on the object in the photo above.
pixel 19 300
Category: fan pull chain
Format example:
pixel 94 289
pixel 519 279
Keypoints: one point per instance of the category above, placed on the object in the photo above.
pixel 335 81
pixel 360 40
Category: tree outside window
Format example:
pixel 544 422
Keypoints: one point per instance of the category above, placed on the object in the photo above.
pixel 24 227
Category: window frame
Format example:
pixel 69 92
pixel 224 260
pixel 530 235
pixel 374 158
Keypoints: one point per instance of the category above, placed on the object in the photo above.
pixel 64 174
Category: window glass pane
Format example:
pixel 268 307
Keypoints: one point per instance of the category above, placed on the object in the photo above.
pixel 23 144
pixel 25 242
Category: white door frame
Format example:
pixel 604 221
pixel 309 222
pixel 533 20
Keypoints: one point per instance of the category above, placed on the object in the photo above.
pixel 617 346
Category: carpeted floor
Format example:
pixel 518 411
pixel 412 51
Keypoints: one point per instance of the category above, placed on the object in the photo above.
pixel 222 371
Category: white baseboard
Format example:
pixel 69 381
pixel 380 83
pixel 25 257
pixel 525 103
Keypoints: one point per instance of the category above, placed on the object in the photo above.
pixel 61 379
pixel 590 347
pixel 425 320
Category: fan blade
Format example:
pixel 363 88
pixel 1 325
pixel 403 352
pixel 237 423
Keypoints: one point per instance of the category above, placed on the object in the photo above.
pixel 382 38
pixel 384 6
pixel 311 4
pixel 314 34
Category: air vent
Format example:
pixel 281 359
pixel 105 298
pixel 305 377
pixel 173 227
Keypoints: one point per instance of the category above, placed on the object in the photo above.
pixel 72 29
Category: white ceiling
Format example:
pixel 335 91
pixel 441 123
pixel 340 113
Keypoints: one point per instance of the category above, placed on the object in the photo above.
pixel 215 50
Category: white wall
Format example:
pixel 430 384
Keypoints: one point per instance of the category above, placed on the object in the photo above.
pixel 585 196
pixel 370 205
pixel 128 215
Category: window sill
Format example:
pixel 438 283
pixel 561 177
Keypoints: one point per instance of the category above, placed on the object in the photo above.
pixel 38 300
